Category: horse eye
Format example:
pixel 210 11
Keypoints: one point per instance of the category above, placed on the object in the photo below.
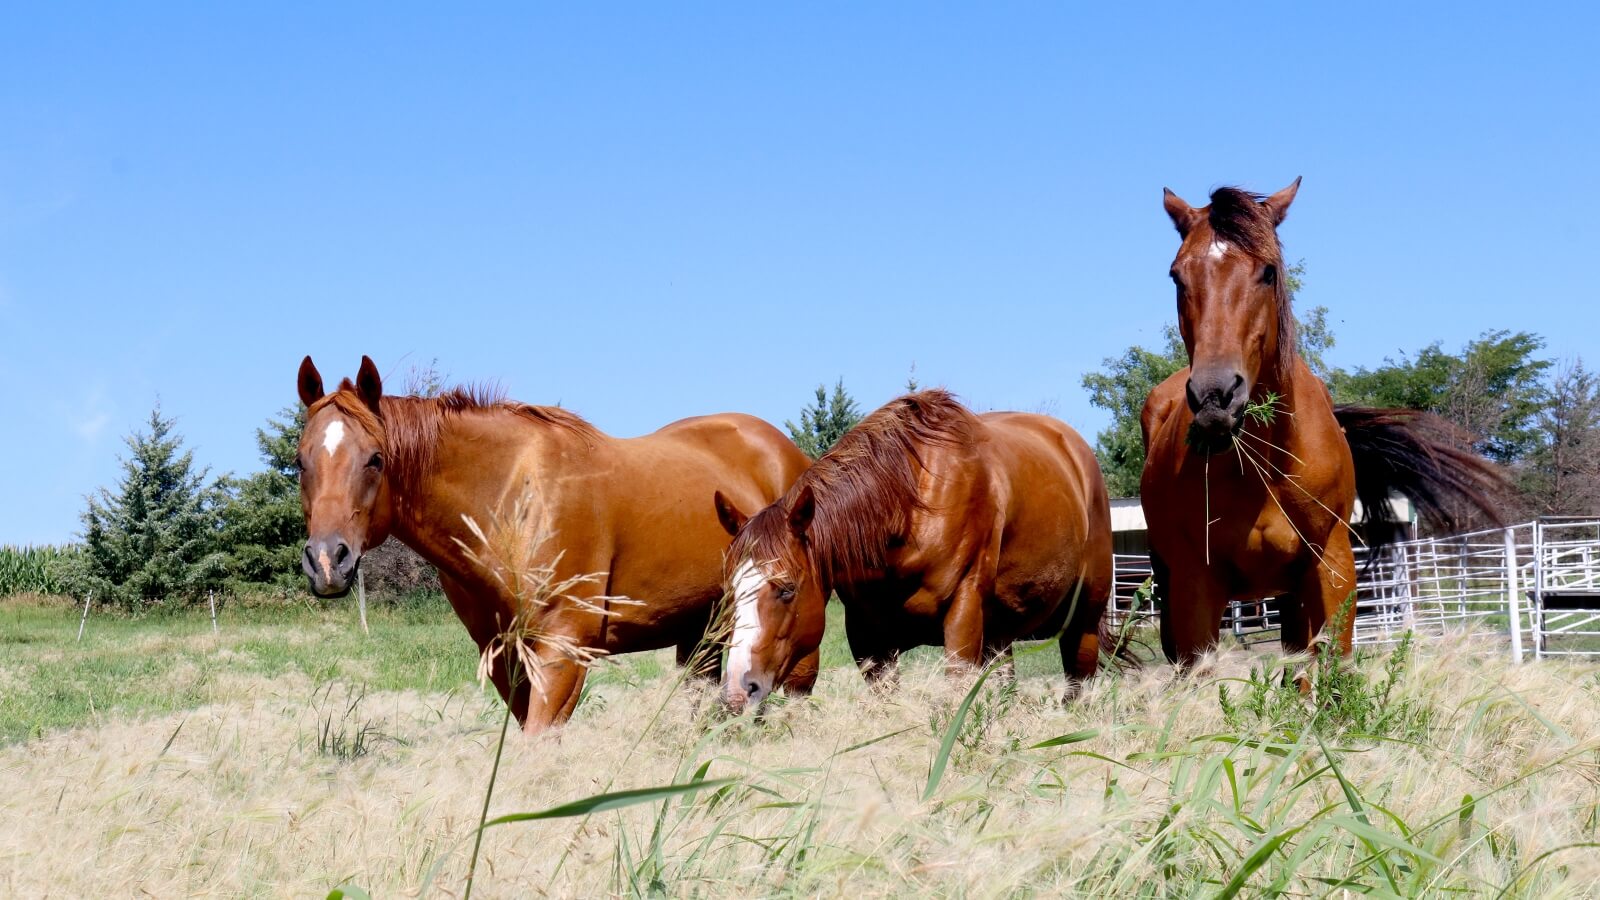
pixel 376 462
pixel 786 594
pixel 1269 275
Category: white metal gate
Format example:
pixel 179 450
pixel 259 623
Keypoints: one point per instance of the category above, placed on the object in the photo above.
pixel 1536 584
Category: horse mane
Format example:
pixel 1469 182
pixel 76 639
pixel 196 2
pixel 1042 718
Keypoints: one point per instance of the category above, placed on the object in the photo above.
pixel 1240 218
pixel 865 488
pixel 409 431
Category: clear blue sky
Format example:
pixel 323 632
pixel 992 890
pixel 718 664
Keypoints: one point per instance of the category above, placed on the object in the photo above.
pixel 650 212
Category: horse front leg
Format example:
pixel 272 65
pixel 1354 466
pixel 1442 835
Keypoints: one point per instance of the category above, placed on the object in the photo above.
pixel 876 653
pixel 964 644
pixel 1324 596
pixel 1191 614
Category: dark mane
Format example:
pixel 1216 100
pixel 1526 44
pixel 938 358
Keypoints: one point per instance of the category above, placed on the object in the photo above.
pixel 1240 218
pixel 865 488
pixel 409 432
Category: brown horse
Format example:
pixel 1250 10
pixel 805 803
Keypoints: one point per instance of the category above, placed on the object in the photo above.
pixel 636 510
pixel 1251 472
pixel 935 526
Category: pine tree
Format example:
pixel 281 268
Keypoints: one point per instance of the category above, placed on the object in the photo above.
pixel 822 424
pixel 155 538
pixel 263 528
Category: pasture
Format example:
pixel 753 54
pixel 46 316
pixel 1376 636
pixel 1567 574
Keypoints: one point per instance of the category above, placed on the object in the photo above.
pixel 288 755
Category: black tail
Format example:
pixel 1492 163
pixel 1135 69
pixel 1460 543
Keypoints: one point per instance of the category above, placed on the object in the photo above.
pixel 1423 457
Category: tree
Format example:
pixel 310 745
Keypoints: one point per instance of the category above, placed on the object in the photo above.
pixel 263 528
pixel 1121 390
pixel 1493 389
pixel 822 424
pixel 1563 472
pixel 155 538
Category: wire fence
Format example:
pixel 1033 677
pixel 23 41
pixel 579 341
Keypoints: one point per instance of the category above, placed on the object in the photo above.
pixel 1536 585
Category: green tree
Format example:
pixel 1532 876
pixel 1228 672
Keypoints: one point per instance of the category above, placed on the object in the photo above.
pixel 1121 390
pixel 263 528
pixel 155 537
pixel 1562 476
pixel 1494 389
pixel 823 423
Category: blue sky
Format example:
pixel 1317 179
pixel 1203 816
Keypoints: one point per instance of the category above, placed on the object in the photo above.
pixel 650 212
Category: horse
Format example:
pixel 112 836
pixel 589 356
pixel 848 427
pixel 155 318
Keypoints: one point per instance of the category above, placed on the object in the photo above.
pixel 1251 472
pixel 630 539
pixel 934 526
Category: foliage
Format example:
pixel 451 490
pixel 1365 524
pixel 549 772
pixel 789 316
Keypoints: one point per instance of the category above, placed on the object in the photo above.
pixel 1121 390
pixel 1345 700
pixel 1562 476
pixel 263 528
pixel 824 422
pixel 33 570
pixel 156 537
pixel 1493 388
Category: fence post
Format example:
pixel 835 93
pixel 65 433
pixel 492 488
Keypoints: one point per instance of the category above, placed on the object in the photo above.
pixel 361 600
pixel 88 599
pixel 212 596
pixel 1513 597
pixel 1537 612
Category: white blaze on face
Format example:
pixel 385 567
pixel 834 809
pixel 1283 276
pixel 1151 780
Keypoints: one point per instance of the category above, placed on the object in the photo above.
pixel 1218 248
pixel 332 436
pixel 747 582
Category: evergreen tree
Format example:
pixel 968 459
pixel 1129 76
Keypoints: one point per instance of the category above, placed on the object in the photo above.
pixel 155 538
pixel 1563 473
pixel 263 528
pixel 822 424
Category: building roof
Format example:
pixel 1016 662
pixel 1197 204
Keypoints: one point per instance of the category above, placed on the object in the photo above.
pixel 1128 515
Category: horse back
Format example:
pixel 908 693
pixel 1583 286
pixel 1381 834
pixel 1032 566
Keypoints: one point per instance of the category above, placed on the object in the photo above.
pixel 1049 484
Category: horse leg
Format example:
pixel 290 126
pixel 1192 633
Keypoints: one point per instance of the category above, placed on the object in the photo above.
pixel 804 675
pixel 701 656
pixel 1191 617
pixel 963 628
pixel 1325 594
pixel 876 657
pixel 1080 639
pixel 555 690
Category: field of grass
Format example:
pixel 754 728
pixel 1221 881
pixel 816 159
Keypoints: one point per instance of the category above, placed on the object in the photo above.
pixel 289 754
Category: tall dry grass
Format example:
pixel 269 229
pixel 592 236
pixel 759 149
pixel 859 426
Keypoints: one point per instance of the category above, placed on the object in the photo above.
pixel 1140 788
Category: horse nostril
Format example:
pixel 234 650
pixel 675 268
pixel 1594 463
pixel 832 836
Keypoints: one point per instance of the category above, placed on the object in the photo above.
pixel 752 688
pixel 1238 382
pixel 1189 394
pixel 341 553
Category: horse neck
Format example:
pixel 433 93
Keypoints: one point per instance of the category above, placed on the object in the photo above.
pixel 431 508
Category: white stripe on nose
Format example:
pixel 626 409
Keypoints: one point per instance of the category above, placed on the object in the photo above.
pixel 747 581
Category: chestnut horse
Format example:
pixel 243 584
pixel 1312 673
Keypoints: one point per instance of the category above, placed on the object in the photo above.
pixel 935 526
pixel 636 510
pixel 1250 471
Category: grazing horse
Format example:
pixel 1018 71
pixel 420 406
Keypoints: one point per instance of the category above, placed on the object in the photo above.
pixel 635 511
pixel 935 526
pixel 1250 471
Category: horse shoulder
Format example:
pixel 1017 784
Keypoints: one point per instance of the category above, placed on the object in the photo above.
pixel 1165 400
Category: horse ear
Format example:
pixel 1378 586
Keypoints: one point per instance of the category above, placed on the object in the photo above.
pixel 1278 204
pixel 369 385
pixel 729 515
pixel 310 382
pixel 801 511
pixel 1182 214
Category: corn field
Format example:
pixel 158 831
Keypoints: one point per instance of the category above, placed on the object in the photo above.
pixel 31 570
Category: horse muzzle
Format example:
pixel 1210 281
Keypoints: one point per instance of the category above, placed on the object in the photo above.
pixel 330 566
pixel 745 691
pixel 1217 400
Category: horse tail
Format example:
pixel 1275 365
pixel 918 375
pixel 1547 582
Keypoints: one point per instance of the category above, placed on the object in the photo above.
pixel 1424 458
